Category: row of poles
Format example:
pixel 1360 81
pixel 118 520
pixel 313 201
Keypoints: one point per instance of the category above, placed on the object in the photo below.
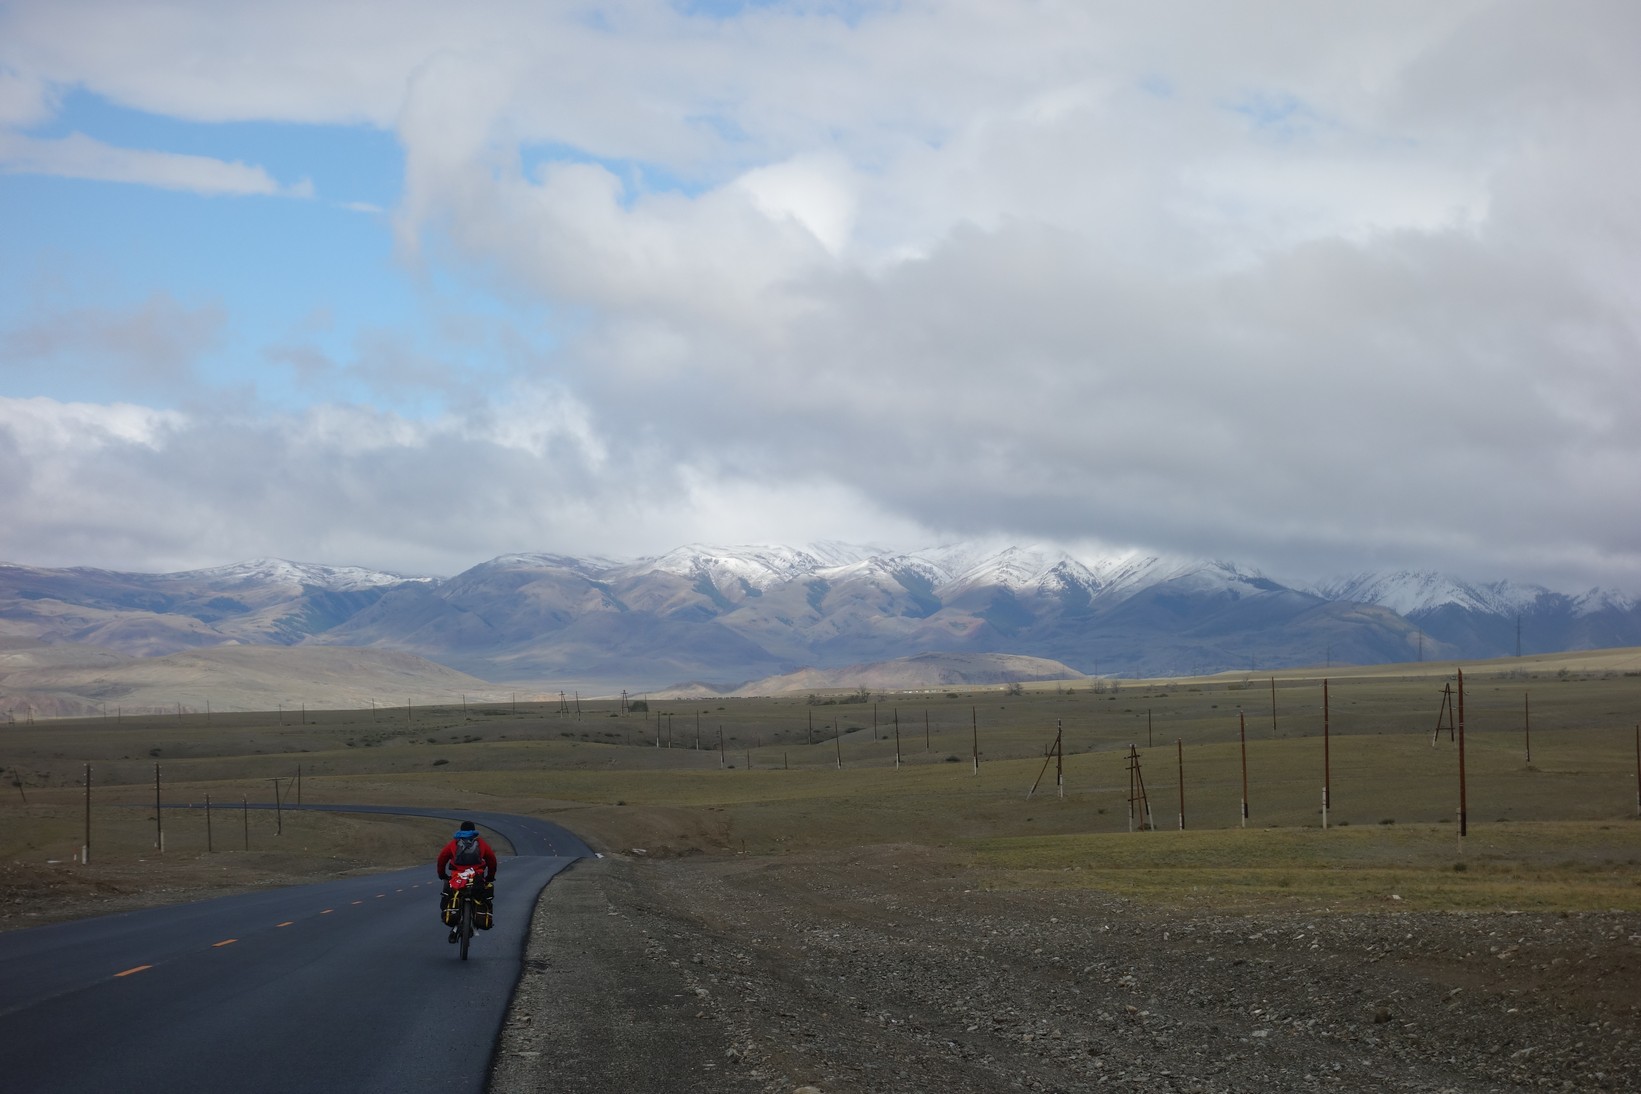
pixel 666 741
pixel 1451 710
pixel 1139 799
pixel 295 782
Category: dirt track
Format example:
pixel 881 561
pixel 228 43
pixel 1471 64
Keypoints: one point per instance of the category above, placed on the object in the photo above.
pixel 889 972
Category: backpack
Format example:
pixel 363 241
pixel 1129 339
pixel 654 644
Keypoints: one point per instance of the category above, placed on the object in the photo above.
pixel 467 852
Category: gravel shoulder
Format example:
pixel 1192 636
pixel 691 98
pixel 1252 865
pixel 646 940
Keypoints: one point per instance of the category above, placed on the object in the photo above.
pixel 895 969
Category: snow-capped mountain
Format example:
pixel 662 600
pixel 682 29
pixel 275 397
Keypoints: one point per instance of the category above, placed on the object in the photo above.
pixel 1408 592
pixel 733 613
pixel 280 573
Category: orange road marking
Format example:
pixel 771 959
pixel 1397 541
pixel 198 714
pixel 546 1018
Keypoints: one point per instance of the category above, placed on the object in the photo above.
pixel 287 923
pixel 128 972
pixel 224 942
pixel 358 902
pixel 327 911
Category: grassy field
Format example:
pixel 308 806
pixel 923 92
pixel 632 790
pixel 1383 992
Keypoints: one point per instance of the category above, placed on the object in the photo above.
pixel 786 776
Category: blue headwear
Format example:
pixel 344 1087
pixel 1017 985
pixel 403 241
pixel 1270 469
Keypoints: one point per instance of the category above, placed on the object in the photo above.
pixel 467 830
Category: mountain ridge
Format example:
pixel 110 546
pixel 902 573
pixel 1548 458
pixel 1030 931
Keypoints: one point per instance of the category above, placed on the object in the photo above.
pixel 736 614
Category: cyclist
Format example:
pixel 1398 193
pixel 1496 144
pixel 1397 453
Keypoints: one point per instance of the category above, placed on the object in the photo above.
pixel 466 848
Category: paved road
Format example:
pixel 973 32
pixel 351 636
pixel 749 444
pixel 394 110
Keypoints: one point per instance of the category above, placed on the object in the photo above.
pixel 346 985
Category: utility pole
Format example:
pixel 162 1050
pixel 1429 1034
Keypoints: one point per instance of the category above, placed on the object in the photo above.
pixel 1059 759
pixel 1327 770
pixel 1527 722
pixel 1464 815
pixel 1179 745
pixel 1242 733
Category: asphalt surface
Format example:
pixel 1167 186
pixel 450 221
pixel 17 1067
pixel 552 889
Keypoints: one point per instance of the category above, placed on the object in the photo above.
pixel 345 985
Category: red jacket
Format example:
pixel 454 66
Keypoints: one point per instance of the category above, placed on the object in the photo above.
pixel 485 850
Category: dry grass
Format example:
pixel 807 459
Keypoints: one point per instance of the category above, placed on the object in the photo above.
pixel 1539 866
pixel 1555 833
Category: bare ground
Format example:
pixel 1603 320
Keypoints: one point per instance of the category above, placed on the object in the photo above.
pixel 893 969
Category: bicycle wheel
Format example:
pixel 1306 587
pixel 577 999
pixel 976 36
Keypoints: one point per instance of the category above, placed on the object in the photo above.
pixel 465 926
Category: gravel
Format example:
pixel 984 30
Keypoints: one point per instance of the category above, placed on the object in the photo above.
pixel 894 969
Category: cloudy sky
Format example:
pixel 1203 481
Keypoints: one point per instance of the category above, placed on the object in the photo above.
pixel 1311 286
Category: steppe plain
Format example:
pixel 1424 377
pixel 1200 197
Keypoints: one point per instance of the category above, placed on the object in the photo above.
pixel 838 897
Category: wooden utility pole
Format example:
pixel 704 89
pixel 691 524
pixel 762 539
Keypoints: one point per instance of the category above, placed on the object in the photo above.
pixel 1059 774
pixel 1327 768
pixel 1464 814
pixel 1444 717
pixel 1242 733
pixel 1136 792
pixel 159 826
pixel 1059 759
pixel 897 738
pixel 1179 745
pixel 974 718
pixel 85 848
pixel 1527 722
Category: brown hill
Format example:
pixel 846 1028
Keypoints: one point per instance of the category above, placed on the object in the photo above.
pixel 67 680
pixel 928 670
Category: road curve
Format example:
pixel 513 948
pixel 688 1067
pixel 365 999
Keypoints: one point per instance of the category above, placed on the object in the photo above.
pixel 344 985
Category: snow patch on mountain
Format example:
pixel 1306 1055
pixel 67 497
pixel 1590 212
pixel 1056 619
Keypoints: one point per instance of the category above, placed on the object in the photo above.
pixel 1412 592
pixel 278 571
pixel 1603 600
pixel 590 567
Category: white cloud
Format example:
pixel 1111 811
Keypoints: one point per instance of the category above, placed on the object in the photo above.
pixel 815 191
pixel 23 101
pixel 1323 287
pixel 149 350
pixel 80 157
